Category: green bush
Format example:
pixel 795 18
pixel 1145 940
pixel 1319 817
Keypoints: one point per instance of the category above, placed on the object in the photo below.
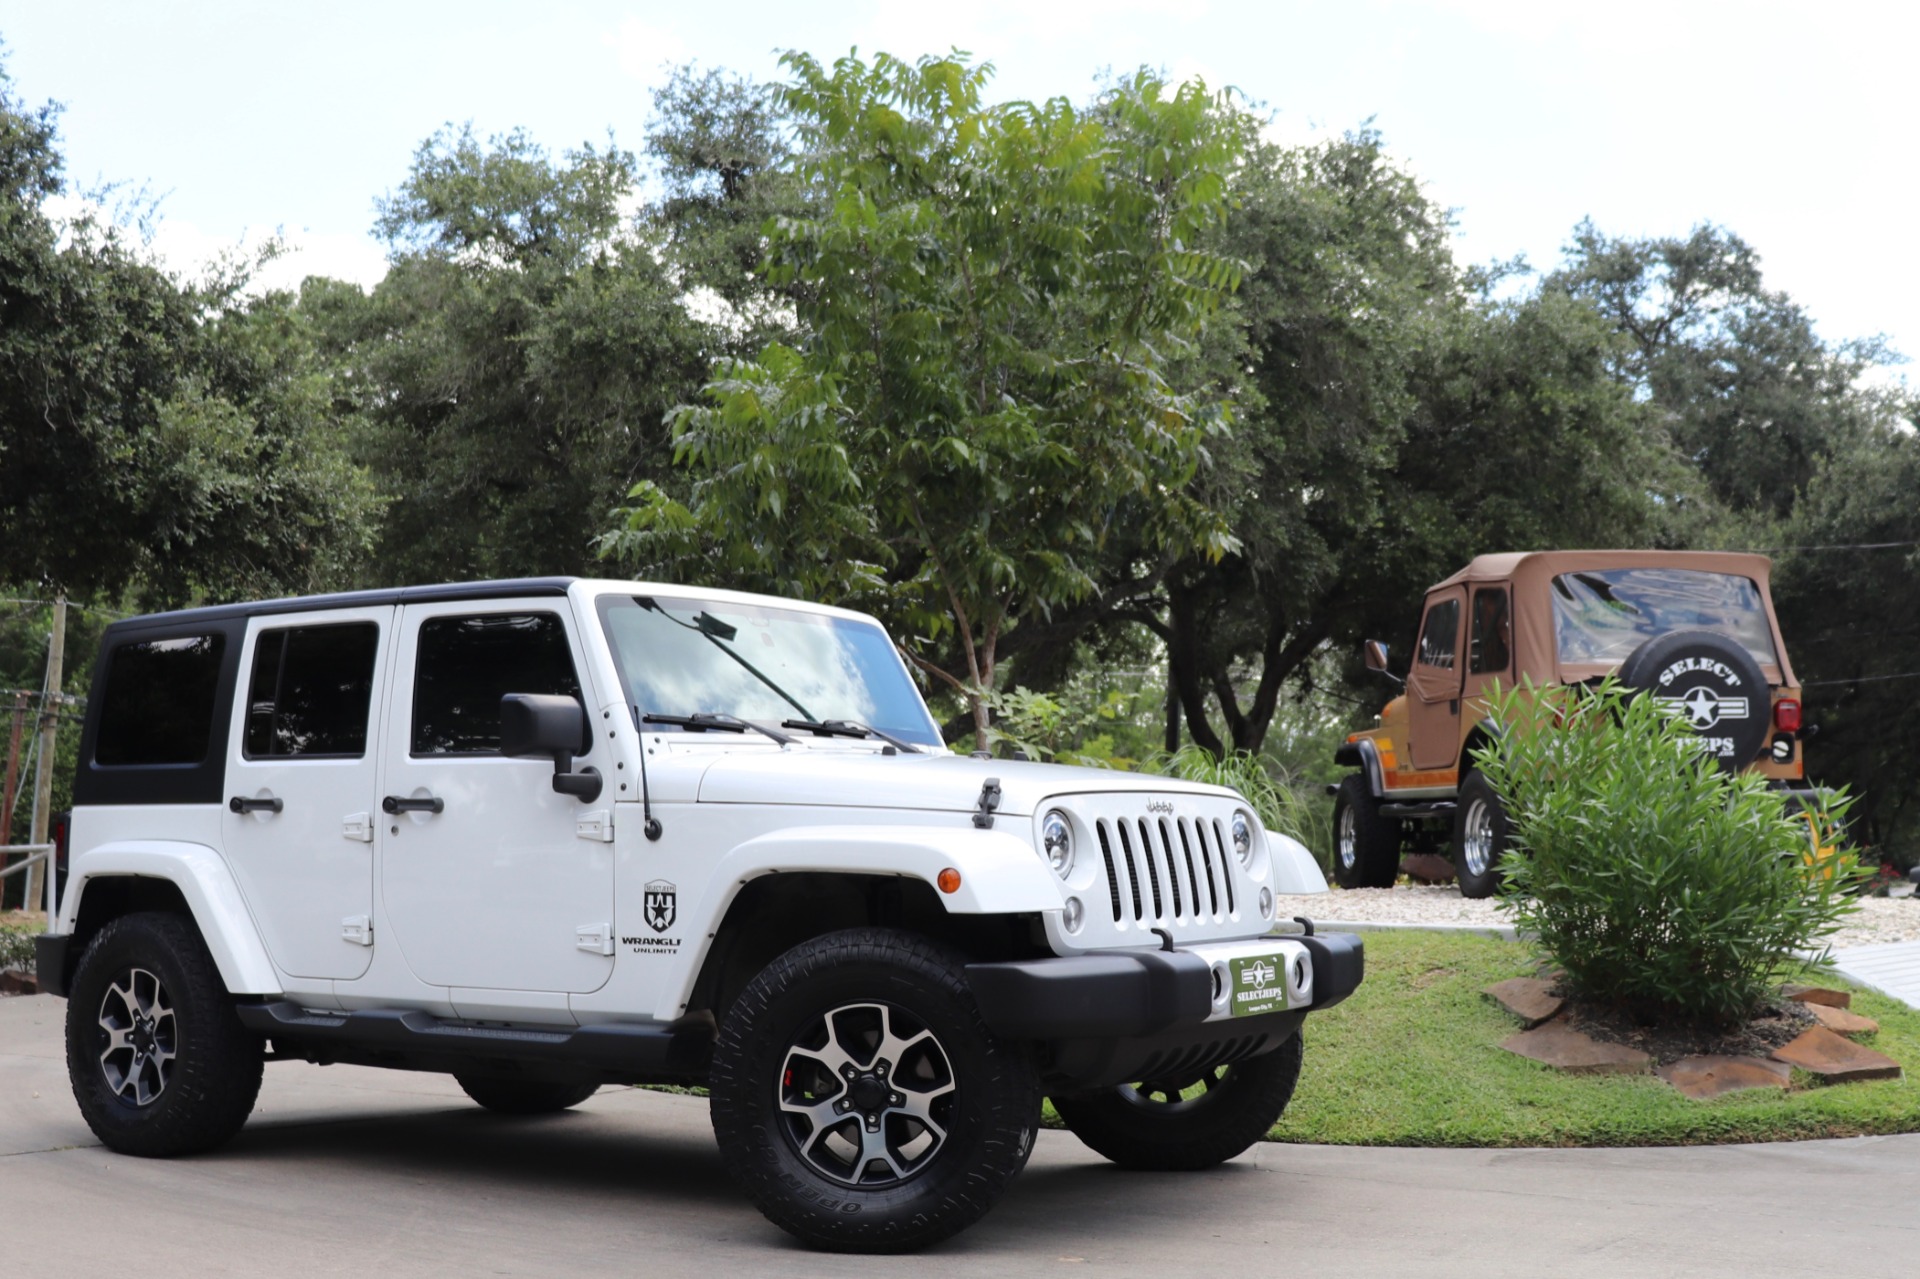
pixel 1657 882
pixel 1280 805
pixel 16 948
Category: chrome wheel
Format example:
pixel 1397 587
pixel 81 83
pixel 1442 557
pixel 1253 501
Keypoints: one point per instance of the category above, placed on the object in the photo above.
pixel 141 1037
pixel 866 1095
pixel 1345 840
pixel 1476 837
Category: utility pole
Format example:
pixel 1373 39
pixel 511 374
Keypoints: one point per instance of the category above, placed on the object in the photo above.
pixel 49 730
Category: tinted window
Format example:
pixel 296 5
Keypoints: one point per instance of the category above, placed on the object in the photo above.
pixel 1437 635
pixel 465 665
pixel 1603 615
pixel 159 701
pixel 1490 649
pixel 311 690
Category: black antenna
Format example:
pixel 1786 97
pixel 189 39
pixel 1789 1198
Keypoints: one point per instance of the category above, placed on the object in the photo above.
pixel 652 826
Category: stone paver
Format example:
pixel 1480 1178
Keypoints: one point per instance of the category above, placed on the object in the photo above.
pixel 1531 999
pixel 1819 995
pixel 1821 1052
pixel 1841 1021
pixel 1711 1076
pixel 1558 1045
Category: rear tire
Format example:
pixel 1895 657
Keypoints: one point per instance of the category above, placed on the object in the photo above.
pixel 524 1096
pixel 1366 846
pixel 1148 1126
pixel 159 1062
pixel 1480 832
pixel 825 1069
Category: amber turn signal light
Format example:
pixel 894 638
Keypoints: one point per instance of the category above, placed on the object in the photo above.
pixel 949 880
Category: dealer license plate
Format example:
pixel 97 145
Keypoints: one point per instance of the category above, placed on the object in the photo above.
pixel 1259 984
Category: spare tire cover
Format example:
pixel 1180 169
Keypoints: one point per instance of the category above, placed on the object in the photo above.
pixel 1715 683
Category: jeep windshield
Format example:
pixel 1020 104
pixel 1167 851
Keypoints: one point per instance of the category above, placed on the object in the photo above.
pixel 1602 615
pixel 686 658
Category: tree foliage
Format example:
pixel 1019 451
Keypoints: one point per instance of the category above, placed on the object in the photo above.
pixel 990 295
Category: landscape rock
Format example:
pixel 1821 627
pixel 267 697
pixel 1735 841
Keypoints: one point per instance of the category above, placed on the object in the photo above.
pixel 1705 1077
pixel 1841 1021
pixel 12 983
pixel 1821 1052
pixel 1427 868
pixel 1558 1045
pixel 1531 999
pixel 1819 995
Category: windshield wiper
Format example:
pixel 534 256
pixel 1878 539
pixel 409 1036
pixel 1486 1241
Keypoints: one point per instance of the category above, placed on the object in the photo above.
pixel 848 728
pixel 717 633
pixel 704 720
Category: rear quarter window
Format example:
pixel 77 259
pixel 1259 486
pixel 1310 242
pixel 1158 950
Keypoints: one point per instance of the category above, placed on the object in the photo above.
pixel 160 700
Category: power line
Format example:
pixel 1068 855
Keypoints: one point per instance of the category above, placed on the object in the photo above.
pixel 1863 679
pixel 1848 546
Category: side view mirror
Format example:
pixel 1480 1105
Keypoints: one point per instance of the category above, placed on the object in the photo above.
pixel 1375 655
pixel 544 725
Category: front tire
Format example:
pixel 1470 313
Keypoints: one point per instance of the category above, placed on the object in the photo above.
pixel 861 1101
pixel 1190 1122
pixel 159 1063
pixel 1480 831
pixel 1366 846
pixel 524 1096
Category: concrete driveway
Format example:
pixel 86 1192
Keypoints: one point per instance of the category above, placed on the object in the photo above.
pixel 374 1173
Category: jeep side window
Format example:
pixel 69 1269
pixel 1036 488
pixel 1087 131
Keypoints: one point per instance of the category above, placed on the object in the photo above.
pixel 1490 650
pixel 465 665
pixel 158 705
pixel 1437 635
pixel 311 691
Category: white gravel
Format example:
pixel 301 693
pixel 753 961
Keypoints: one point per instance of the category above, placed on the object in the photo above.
pixel 1874 920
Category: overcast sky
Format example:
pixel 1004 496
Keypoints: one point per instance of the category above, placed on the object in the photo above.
pixel 1793 125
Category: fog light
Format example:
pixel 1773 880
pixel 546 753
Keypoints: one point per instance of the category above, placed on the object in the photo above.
pixel 1073 915
pixel 1266 903
pixel 1299 973
pixel 1219 983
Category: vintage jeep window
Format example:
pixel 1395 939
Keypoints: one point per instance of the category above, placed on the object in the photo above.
pixel 685 657
pixel 1602 615
pixel 1437 636
pixel 311 690
pixel 1490 648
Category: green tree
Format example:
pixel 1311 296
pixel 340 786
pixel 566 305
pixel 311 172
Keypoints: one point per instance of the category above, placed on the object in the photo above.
pixel 517 361
pixel 990 296
pixel 177 439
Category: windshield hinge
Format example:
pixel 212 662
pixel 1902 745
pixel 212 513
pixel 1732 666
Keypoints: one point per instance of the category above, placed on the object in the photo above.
pixel 988 801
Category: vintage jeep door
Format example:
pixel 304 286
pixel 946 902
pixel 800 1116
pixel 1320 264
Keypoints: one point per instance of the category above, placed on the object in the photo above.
pixel 492 886
pixel 1433 684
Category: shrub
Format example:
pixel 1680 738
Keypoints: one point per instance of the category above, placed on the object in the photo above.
pixel 1280 805
pixel 1657 882
pixel 16 948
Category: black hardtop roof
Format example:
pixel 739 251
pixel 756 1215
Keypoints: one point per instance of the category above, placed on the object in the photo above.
pixel 507 588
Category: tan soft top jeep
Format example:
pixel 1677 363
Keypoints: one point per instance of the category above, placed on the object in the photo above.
pixel 1696 628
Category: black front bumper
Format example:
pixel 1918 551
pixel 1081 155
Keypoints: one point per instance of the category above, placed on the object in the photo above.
pixel 1119 1015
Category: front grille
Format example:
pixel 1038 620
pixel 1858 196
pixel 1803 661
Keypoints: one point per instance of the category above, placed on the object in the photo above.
pixel 1178 870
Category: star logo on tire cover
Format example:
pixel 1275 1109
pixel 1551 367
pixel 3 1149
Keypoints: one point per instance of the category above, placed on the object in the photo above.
pixel 1704 708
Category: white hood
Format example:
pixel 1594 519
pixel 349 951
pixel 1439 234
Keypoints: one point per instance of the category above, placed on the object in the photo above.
pixel 934 783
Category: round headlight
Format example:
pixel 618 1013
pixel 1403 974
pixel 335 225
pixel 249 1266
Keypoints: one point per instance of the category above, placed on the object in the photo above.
pixel 1243 838
pixel 1056 842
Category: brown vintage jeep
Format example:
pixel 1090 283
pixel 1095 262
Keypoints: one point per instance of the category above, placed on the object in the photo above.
pixel 1695 628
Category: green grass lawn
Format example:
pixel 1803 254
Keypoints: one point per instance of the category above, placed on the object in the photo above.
pixel 1413 1059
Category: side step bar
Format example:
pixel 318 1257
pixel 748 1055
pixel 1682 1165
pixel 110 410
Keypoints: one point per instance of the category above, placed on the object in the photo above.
pixel 678 1050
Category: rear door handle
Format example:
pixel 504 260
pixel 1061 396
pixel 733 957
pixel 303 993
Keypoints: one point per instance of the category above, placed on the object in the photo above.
pixel 426 804
pixel 242 804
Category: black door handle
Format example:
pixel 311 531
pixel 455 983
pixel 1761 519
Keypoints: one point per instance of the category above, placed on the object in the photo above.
pixel 431 804
pixel 241 804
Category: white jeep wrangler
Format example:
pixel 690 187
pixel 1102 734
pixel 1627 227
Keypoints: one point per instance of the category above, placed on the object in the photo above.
pixel 550 834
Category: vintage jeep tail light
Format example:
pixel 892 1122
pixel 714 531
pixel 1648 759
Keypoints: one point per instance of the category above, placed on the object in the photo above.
pixel 1786 715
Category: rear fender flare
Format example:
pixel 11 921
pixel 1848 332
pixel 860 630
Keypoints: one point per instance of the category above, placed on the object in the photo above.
pixel 211 894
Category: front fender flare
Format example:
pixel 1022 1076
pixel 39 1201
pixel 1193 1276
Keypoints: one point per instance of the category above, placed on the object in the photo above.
pixel 204 880
pixel 1000 873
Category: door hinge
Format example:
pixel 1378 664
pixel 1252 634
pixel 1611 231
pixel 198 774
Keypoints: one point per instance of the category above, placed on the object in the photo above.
pixel 357 929
pixel 596 939
pixel 597 826
pixel 358 827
